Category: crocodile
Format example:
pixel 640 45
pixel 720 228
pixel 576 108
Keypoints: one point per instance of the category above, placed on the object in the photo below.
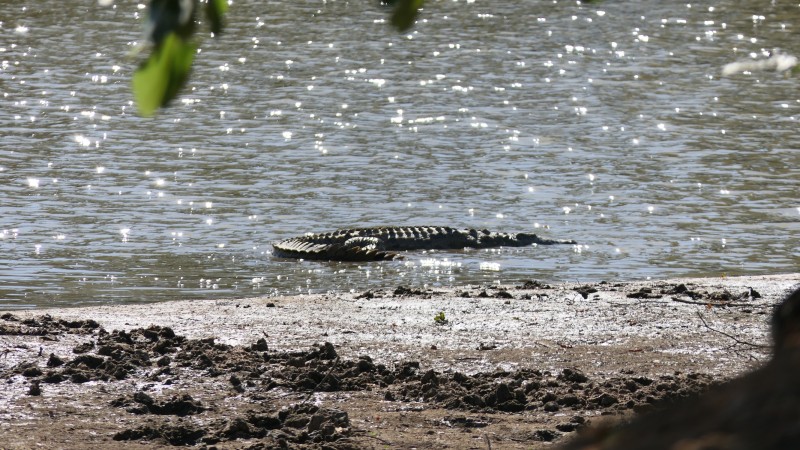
pixel 383 243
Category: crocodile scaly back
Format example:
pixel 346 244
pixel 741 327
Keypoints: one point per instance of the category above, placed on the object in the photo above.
pixel 382 243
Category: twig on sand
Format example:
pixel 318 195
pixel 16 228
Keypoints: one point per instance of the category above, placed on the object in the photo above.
pixel 738 341
pixel 488 442
pixel 382 441
pixel 310 394
pixel 714 303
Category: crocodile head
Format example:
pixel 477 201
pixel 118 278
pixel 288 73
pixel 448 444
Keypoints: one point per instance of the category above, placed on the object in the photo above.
pixel 528 238
pixel 532 238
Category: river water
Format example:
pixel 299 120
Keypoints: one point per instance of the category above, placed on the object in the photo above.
pixel 607 123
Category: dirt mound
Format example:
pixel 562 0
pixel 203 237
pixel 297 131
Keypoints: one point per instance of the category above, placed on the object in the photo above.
pixel 158 360
pixel 300 424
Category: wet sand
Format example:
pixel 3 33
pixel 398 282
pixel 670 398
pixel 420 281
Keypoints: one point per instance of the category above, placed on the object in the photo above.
pixel 502 366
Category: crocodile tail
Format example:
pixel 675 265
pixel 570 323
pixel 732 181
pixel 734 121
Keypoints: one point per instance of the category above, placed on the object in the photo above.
pixel 295 248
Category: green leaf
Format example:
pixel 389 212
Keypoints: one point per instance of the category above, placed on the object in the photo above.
pixel 405 13
pixel 167 16
pixel 215 9
pixel 158 79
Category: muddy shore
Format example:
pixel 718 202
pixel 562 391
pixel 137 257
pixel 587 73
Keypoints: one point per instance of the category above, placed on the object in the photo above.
pixel 517 366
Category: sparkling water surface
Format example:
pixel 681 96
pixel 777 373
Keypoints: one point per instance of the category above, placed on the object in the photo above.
pixel 607 123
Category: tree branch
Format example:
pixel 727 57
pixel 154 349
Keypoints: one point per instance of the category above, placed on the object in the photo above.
pixel 738 341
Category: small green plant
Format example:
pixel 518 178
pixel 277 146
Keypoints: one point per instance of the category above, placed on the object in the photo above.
pixel 440 319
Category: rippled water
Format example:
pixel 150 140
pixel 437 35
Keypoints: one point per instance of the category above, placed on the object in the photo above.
pixel 609 124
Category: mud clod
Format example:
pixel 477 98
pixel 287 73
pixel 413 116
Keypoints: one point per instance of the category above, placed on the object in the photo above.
pixel 54 361
pixel 83 348
pixel 533 284
pixel 403 291
pixel 644 293
pixel 179 434
pixel 573 375
pixel 545 435
pixel 177 405
pixel 585 291
pixel 503 294
pixel 35 389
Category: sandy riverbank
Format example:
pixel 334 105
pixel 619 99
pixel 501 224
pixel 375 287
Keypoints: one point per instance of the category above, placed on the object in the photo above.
pixel 491 372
